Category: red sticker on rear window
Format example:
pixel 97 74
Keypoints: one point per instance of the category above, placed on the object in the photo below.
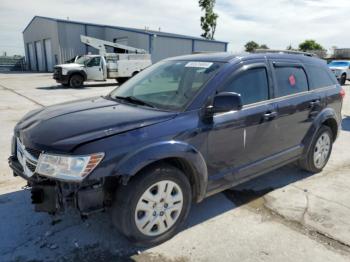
pixel 292 80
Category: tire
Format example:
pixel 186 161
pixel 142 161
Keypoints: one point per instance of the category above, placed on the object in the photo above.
pixel 310 163
pixel 122 80
pixel 65 85
pixel 76 81
pixel 342 79
pixel 141 220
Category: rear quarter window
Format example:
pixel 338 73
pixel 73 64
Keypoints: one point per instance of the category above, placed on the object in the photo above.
pixel 290 80
pixel 319 77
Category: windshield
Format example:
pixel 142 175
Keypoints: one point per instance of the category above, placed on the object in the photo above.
pixel 168 85
pixel 81 60
pixel 339 63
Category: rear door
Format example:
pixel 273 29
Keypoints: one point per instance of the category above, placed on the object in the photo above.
pixel 296 106
pixel 239 139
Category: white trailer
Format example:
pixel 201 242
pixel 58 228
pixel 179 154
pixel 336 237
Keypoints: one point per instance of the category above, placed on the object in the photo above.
pixel 120 66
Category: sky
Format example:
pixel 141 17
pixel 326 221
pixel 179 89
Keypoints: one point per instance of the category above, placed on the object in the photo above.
pixel 276 23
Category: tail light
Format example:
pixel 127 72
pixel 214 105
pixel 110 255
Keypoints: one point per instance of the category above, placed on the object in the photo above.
pixel 342 92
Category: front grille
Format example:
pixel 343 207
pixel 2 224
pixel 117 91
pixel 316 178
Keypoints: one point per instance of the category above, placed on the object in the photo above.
pixel 28 158
pixel 34 152
pixel 57 72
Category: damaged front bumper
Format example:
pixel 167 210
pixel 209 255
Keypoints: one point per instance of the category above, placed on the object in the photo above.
pixel 53 196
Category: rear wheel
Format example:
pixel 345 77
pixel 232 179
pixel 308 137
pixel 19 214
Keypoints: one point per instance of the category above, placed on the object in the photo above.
pixel 76 81
pixel 320 150
pixel 343 79
pixel 153 206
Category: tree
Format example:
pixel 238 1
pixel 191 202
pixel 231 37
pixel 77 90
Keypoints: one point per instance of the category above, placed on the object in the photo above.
pixel 310 45
pixel 251 46
pixel 208 20
pixel 263 46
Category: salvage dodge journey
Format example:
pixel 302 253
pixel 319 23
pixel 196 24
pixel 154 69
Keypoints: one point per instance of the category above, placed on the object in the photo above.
pixel 179 131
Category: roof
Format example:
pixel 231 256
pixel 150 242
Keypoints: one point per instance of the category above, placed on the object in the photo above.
pixel 228 57
pixel 141 31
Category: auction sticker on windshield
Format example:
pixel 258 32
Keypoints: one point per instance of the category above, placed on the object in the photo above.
pixel 199 64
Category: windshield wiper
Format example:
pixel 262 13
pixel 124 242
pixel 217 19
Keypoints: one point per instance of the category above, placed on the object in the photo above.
pixel 134 100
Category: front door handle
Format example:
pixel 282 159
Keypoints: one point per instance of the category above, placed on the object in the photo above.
pixel 270 115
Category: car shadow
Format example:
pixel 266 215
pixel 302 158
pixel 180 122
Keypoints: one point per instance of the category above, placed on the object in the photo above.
pixel 23 72
pixel 29 235
pixel 56 87
pixel 345 125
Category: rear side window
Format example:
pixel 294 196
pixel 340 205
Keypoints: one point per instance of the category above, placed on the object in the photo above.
pixel 319 77
pixel 252 85
pixel 290 80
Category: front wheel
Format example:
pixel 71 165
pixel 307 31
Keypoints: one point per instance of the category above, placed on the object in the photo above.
pixel 76 81
pixel 153 206
pixel 342 79
pixel 320 151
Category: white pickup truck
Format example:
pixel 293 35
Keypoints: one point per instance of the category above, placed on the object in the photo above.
pixel 341 70
pixel 119 66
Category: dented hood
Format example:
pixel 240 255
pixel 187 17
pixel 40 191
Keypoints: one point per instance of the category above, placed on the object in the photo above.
pixel 62 127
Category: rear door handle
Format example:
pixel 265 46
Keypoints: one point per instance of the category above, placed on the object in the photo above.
pixel 270 115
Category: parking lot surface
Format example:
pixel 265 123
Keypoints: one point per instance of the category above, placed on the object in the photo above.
pixel 285 215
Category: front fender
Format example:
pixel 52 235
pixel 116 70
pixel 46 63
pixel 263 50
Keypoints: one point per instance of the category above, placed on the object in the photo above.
pixel 135 161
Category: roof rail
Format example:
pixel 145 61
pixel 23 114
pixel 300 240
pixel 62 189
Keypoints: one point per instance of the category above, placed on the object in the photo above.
pixel 284 52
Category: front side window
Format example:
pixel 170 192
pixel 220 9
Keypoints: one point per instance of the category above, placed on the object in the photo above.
pixel 252 85
pixel 290 80
pixel 168 85
pixel 95 61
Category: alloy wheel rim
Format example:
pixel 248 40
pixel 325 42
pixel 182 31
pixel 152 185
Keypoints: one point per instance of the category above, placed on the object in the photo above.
pixel 159 208
pixel 321 150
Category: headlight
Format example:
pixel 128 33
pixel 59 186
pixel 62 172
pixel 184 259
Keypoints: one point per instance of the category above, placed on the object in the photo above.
pixel 13 145
pixel 64 71
pixel 69 168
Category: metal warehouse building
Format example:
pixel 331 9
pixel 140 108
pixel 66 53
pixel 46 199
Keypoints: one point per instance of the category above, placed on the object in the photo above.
pixel 50 41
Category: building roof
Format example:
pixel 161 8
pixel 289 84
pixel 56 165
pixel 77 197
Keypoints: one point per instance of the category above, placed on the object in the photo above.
pixel 141 31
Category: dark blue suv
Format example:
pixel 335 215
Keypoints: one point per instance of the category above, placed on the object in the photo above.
pixel 181 130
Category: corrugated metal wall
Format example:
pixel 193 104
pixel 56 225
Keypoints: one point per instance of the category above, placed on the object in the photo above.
pixel 97 32
pixel 69 38
pixel 39 30
pixel 164 47
pixel 66 44
pixel 208 46
pixel 138 40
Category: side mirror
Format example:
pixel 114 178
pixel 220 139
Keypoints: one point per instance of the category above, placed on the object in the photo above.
pixel 225 102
